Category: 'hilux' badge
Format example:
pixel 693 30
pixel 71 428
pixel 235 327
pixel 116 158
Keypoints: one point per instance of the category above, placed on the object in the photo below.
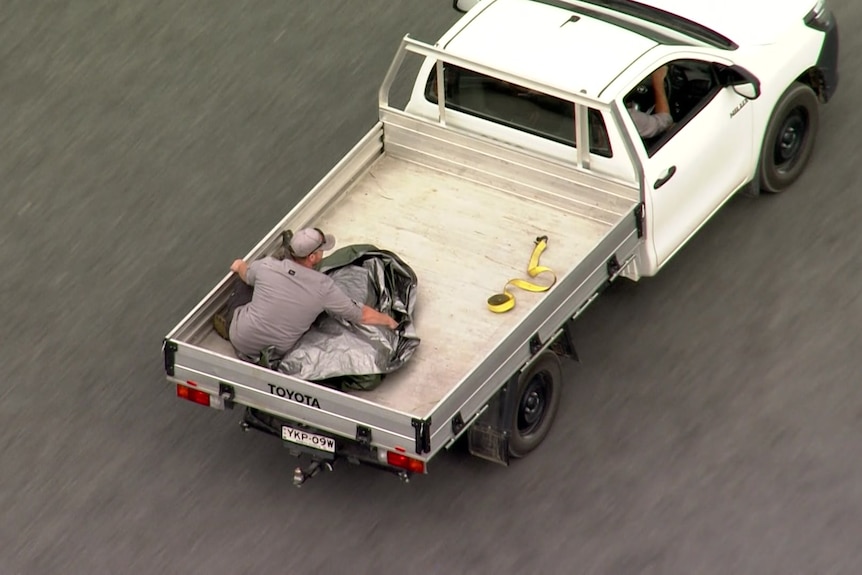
pixel 738 107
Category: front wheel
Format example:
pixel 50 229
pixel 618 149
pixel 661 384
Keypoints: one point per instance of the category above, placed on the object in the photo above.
pixel 537 402
pixel 789 138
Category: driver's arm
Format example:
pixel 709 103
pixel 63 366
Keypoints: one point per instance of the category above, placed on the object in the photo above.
pixel 651 125
pixel 661 104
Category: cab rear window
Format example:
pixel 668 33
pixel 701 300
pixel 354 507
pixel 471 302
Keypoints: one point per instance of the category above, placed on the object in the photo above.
pixel 517 107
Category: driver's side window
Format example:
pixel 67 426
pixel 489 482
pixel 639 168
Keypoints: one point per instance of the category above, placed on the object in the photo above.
pixel 663 102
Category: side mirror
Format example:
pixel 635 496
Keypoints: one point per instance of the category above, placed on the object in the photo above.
pixel 749 91
pixel 464 5
pixel 741 81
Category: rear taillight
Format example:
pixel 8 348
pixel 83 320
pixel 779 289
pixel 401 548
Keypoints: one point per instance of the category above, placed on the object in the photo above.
pixel 402 461
pixel 195 395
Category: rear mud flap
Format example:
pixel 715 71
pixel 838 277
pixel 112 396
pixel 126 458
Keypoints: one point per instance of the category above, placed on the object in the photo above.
pixel 488 443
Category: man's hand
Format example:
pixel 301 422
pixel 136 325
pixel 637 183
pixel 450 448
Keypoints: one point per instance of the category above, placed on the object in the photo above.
pixel 371 316
pixel 240 268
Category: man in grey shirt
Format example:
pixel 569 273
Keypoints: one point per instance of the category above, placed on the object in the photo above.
pixel 651 125
pixel 288 296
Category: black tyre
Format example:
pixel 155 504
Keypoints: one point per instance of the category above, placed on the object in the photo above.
pixel 789 138
pixel 537 402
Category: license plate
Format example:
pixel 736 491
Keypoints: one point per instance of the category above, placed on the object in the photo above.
pixel 307 439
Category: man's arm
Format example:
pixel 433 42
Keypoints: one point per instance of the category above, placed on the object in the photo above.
pixel 662 106
pixel 651 125
pixel 338 303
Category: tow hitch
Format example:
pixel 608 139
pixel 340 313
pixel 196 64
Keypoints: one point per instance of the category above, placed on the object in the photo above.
pixel 301 475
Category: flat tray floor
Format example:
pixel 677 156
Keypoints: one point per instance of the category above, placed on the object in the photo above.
pixel 464 241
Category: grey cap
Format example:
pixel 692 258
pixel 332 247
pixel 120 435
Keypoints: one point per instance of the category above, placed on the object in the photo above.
pixel 308 240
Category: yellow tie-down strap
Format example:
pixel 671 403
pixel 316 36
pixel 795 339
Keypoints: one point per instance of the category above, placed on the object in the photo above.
pixel 503 302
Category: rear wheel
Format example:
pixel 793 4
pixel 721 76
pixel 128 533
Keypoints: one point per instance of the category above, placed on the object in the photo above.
pixel 789 138
pixel 538 397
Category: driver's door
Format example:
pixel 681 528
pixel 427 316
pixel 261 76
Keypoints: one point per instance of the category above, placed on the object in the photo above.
pixel 698 163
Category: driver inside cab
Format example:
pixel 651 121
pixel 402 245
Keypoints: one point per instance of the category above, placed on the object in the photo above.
pixel 650 125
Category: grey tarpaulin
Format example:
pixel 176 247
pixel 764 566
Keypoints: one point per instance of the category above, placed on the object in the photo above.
pixel 354 356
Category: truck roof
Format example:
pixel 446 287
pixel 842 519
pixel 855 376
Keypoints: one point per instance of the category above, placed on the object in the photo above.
pixel 537 40
pixel 743 21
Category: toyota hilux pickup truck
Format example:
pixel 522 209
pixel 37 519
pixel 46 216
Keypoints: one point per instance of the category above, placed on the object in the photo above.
pixel 518 125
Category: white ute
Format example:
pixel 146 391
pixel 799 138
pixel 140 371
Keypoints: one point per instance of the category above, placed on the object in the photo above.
pixel 482 159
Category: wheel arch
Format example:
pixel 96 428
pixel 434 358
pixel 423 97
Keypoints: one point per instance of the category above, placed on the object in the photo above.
pixel 815 79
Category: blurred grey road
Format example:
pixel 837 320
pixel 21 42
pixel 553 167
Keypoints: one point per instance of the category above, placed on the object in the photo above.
pixel 714 426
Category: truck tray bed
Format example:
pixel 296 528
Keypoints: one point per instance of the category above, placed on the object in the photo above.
pixel 464 213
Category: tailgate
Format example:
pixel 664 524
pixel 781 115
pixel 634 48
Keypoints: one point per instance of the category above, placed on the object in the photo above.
pixel 236 381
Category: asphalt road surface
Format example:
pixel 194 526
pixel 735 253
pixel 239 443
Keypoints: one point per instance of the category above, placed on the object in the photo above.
pixel 713 427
